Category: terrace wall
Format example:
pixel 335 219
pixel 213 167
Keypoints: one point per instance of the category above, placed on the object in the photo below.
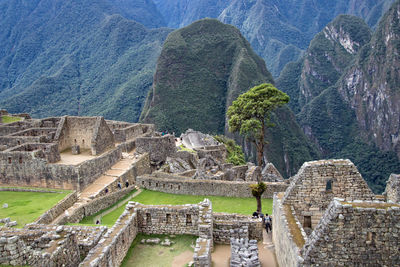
pixel 188 186
pixel 50 215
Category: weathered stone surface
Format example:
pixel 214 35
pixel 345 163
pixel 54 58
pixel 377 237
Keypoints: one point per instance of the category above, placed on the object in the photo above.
pixel 392 190
pixel 194 139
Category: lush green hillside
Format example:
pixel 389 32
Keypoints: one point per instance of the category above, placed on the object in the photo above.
pixel 279 31
pixel 334 93
pixel 77 58
pixel 201 70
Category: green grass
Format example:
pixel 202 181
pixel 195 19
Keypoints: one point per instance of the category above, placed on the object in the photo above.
pixel 244 206
pixel 26 207
pixel 110 218
pixel 38 188
pixel 157 255
pixel 9 119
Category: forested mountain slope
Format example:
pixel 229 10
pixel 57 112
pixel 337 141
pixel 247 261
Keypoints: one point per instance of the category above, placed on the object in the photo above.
pixel 201 70
pixel 77 57
pixel 346 93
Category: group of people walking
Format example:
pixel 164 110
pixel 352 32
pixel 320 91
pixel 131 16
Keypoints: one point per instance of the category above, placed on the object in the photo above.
pixel 266 219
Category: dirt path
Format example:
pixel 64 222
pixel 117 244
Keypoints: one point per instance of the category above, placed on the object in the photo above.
pixel 182 259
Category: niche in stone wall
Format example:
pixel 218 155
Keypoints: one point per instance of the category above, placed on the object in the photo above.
pixel 307 222
pixel 148 219
pixel 328 187
pixel 168 217
pixel 188 219
pixel 370 238
pixel 9 160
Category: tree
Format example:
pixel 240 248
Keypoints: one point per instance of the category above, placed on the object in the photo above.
pixel 257 190
pixel 250 114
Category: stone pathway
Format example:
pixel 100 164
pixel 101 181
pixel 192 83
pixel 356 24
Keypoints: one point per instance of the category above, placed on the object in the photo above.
pixel 108 177
pixel 98 217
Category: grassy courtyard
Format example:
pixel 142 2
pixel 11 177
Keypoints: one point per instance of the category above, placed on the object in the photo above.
pixel 26 207
pixel 9 119
pixel 244 206
pixel 178 254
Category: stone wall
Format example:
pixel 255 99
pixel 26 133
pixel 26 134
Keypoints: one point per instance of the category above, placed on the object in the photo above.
pixel 95 206
pixel 317 182
pixel 12 141
pixel 244 252
pixel 90 170
pixel 90 133
pixel 393 188
pixel 103 138
pixel 202 253
pixel 187 186
pixel 286 250
pixel 159 147
pixel 39 248
pixel 168 219
pixel 112 248
pixel 43 150
pixel 355 234
pixel 50 215
pixel 227 226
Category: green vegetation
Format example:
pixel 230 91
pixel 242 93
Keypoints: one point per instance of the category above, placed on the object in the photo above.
pixel 26 207
pixel 250 114
pixel 201 70
pixel 9 119
pixel 110 218
pixel 157 255
pixel 183 148
pixel 92 60
pixel 235 153
pixel 244 206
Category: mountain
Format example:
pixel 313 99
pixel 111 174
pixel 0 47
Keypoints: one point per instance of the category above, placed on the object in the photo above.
pixel 78 57
pixel 345 93
pixel 279 31
pixel 201 70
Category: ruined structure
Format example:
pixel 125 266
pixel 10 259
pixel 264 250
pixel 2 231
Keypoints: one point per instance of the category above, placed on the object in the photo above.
pixel 326 215
pixel 329 215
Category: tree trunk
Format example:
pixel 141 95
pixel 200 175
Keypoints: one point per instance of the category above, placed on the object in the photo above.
pixel 260 147
pixel 258 198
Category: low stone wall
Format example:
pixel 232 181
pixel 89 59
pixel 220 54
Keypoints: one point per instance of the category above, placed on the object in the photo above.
pixel 187 186
pixel 58 209
pixel 112 249
pixel 96 206
pixel 244 252
pixel 168 219
pixel 90 170
pixel 287 252
pixel 202 253
pixel 227 226
pixel 159 147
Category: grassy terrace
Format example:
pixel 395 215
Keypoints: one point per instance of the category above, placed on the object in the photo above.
pixel 26 207
pixel 244 206
pixel 9 119
pixel 179 254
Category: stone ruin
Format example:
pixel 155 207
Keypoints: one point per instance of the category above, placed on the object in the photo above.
pixel 329 215
pixel 244 253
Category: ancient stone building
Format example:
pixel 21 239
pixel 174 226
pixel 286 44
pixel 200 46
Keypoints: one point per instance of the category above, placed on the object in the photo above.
pixel 318 182
pixel 329 216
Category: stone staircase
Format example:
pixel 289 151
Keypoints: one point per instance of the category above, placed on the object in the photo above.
pixel 109 179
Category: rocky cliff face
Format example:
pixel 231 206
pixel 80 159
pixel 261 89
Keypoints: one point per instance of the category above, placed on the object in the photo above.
pixel 201 70
pixel 372 85
pixel 279 31
pixel 345 93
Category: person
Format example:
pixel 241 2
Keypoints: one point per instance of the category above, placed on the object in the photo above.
pixel 119 185
pixel 106 190
pixel 97 222
pixel 127 183
pixel 268 223
pixel 255 214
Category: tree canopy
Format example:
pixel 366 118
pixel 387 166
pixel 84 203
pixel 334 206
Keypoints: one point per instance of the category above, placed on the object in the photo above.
pixel 249 114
